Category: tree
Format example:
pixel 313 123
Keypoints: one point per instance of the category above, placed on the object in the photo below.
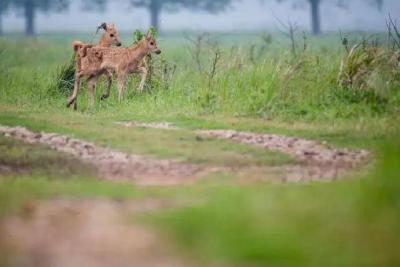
pixel 315 16
pixel 4 4
pixel 315 6
pixel 155 7
pixel 94 5
pixel 30 8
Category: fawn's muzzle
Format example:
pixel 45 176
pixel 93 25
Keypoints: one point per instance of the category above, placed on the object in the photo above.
pixel 158 51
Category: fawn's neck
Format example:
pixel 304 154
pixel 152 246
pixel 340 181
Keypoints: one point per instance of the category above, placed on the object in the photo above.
pixel 140 50
pixel 104 42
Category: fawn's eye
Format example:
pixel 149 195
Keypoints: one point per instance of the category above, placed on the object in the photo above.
pixel 151 43
pixel 111 35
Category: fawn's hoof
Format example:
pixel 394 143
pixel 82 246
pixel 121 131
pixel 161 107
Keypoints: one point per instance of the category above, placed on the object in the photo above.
pixel 104 97
pixel 70 102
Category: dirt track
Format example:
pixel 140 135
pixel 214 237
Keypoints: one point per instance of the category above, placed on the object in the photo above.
pixel 115 165
pixel 317 161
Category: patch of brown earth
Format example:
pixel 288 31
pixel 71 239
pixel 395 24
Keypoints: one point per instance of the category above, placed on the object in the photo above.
pixel 302 149
pixel 114 165
pixel 318 161
pixel 90 233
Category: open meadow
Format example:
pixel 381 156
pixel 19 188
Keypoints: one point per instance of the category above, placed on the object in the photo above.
pixel 245 149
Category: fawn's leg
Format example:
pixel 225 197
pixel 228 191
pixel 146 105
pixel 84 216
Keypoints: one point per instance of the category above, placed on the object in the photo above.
pixel 91 86
pixel 121 85
pixel 106 93
pixel 143 74
pixel 77 84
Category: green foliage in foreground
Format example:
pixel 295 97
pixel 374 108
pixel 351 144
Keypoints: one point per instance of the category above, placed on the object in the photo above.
pixel 348 223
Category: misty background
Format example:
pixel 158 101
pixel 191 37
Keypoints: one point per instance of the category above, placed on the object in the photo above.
pixel 250 15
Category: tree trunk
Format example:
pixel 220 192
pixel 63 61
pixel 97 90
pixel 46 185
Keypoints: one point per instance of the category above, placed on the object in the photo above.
pixel 2 8
pixel 315 16
pixel 1 22
pixel 155 10
pixel 29 18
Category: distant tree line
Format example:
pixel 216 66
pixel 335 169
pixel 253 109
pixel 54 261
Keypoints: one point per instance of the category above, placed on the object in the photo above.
pixel 315 7
pixel 155 7
pixel 30 8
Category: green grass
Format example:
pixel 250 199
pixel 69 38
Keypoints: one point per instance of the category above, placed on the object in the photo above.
pixel 32 159
pixel 29 172
pixel 275 86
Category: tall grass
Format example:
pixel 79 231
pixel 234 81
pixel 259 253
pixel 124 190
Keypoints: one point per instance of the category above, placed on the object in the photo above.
pixel 251 77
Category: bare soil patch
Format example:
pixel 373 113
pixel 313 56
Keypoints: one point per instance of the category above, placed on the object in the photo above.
pixel 318 161
pixel 114 165
pixel 302 149
pixel 90 233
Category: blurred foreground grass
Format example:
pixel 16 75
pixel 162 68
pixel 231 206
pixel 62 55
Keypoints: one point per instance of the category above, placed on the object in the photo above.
pixel 347 223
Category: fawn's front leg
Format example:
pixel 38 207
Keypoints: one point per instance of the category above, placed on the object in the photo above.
pixel 143 74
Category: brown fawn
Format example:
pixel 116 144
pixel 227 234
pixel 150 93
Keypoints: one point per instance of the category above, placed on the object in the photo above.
pixel 109 38
pixel 123 61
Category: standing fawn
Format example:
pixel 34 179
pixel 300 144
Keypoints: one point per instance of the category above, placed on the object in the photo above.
pixel 109 38
pixel 123 61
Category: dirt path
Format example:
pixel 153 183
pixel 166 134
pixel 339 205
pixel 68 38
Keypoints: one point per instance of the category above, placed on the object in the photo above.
pixel 114 165
pixel 318 161
pixel 90 233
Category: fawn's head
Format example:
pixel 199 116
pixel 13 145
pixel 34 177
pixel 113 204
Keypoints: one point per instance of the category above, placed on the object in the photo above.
pixel 110 35
pixel 151 44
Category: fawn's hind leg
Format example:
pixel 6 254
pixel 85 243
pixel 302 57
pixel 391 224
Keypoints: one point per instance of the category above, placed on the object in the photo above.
pixel 106 93
pixel 73 98
pixel 121 85
pixel 91 83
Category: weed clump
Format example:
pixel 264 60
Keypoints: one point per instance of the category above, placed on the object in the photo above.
pixel 369 68
pixel 64 81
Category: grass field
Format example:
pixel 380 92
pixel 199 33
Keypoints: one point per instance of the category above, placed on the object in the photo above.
pixel 243 81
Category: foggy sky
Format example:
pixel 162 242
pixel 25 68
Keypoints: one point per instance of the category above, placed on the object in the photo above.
pixel 244 15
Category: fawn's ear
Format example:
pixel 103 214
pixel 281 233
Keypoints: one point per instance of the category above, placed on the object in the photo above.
pixel 103 26
pixel 149 35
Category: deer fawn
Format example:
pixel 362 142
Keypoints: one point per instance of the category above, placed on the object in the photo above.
pixel 123 61
pixel 109 38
